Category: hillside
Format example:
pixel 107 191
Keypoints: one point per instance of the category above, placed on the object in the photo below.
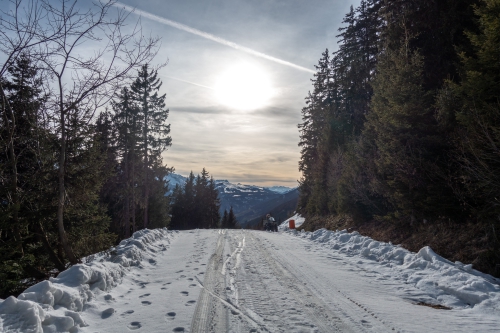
pixel 250 202
pixel 280 208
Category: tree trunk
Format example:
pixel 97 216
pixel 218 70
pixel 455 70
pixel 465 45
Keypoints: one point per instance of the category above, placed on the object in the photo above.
pixel 146 185
pixel 133 196
pixel 127 195
pixel 52 255
pixel 60 207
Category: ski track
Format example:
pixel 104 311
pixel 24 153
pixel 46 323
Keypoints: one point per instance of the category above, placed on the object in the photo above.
pixel 211 314
pixel 265 294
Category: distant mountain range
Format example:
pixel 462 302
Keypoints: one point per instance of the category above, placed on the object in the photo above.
pixel 250 202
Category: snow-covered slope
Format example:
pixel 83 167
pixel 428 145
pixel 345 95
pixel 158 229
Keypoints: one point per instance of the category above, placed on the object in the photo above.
pixel 175 179
pixel 299 220
pixel 55 305
pixel 280 189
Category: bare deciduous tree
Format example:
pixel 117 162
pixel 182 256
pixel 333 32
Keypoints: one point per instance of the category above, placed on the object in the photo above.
pixel 86 53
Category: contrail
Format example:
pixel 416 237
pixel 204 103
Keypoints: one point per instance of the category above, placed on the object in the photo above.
pixel 207 35
pixel 189 82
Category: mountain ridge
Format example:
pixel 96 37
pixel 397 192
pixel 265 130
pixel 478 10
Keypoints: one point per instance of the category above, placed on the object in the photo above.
pixel 249 202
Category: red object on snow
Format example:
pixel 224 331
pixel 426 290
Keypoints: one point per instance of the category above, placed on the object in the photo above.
pixel 291 224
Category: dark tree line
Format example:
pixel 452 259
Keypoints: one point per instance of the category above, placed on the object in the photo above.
pixel 141 136
pixel 61 158
pixel 81 138
pixel 229 220
pixel 196 203
pixel 403 120
pixel 113 177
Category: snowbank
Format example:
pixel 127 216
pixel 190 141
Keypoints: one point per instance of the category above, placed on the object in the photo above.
pixel 299 220
pixel 53 305
pixel 451 284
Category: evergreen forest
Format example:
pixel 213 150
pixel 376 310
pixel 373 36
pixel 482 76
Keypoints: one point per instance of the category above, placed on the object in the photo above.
pixel 81 164
pixel 401 129
pixel 400 134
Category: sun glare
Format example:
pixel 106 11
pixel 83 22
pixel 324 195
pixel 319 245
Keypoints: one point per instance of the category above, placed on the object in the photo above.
pixel 243 87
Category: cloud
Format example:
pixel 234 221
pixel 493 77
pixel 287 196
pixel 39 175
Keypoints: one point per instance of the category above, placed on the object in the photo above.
pixel 209 36
pixel 199 109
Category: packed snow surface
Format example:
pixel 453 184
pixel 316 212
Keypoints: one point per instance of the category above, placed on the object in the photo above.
pixel 442 282
pixel 255 281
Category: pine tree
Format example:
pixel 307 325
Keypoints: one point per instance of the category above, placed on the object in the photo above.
pixel 314 142
pixel 224 220
pixel 26 163
pixel 353 66
pixel 231 219
pixel 473 105
pixel 201 200
pixel 88 224
pixel 197 204
pixel 408 141
pixel 128 126
pixel 213 211
pixel 153 115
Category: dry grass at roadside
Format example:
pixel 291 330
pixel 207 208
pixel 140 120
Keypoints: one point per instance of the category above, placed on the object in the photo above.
pixel 434 306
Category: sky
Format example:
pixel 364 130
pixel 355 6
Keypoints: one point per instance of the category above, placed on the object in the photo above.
pixel 242 130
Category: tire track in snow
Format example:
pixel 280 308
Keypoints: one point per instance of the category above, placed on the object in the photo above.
pixel 211 314
pixel 317 313
pixel 360 317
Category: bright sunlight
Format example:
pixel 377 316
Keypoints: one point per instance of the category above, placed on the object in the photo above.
pixel 243 87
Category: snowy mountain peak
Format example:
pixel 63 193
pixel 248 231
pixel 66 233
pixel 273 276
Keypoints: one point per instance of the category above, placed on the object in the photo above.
pixel 280 189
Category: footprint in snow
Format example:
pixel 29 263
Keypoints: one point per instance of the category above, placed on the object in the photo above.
pixel 108 297
pixel 135 325
pixel 192 285
pixel 127 312
pixel 152 261
pixel 182 276
pixel 170 316
pixel 189 303
pixel 180 271
pixel 146 303
pixel 178 329
pixel 107 313
pixel 184 293
pixel 163 288
pixel 145 295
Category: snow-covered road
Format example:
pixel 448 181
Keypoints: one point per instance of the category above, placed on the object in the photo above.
pixel 254 281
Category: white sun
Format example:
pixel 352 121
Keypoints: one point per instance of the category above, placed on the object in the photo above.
pixel 243 87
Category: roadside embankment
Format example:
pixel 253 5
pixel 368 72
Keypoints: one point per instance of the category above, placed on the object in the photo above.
pixel 471 243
